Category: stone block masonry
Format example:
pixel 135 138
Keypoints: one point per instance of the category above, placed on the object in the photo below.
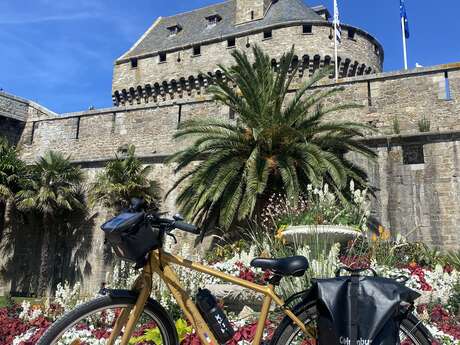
pixel 95 135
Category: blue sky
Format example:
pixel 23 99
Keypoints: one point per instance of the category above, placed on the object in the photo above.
pixel 60 53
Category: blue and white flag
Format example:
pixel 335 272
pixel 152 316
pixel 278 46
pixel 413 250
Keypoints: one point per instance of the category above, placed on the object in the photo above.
pixel 337 28
pixel 402 7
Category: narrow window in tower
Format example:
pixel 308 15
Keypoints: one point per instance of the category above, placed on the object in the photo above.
pixel 162 57
pixel 447 86
pixel 196 50
pixel 252 15
pixel 268 34
pixel 351 33
pixel 231 42
pixel 307 29
pixel 174 30
pixel 179 116
pixel 213 20
pixel 134 63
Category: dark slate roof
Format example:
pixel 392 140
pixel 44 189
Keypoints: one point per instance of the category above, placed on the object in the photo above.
pixel 195 30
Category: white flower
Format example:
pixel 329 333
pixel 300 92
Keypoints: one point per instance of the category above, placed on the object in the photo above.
pixel 352 186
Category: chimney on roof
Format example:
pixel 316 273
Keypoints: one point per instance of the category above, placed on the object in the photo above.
pixel 250 10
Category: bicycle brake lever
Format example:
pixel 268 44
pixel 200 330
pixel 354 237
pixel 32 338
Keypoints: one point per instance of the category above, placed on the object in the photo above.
pixel 174 237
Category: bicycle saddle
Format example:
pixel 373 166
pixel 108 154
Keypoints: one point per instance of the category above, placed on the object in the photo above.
pixel 290 266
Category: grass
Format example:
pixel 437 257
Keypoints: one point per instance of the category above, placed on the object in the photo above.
pixel 19 300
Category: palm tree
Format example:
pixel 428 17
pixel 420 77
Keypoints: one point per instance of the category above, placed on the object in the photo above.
pixel 123 179
pixel 279 143
pixel 54 187
pixel 11 173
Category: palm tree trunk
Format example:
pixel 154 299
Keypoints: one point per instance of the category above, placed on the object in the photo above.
pixel 43 279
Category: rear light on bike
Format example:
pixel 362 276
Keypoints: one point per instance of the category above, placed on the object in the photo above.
pixel 131 236
pixel 214 316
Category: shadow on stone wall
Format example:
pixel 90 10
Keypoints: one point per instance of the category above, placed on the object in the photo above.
pixel 22 241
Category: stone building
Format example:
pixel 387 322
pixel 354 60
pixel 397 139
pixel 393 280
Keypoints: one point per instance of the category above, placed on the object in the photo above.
pixel 162 80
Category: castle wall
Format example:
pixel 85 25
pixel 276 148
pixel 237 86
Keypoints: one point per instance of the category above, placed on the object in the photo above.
pixel 178 77
pixel 95 135
pixel 419 199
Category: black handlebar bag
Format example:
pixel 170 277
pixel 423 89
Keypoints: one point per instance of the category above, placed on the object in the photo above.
pixel 361 310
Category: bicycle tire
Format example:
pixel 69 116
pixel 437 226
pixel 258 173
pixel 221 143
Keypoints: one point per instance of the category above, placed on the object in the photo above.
pixel 114 300
pixel 287 330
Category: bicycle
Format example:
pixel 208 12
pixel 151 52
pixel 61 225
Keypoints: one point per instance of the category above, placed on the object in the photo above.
pixel 127 314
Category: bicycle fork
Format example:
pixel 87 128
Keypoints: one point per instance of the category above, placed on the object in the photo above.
pixel 130 316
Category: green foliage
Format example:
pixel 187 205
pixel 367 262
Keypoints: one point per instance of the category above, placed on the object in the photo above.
pixel 454 300
pixel 389 251
pixel 154 336
pixel 318 206
pixel 54 185
pixel 278 144
pixel 424 125
pixel 320 250
pixel 453 259
pixel 224 252
pixel 12 171
pixel 123 179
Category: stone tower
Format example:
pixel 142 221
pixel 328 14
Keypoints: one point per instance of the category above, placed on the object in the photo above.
pixel 250 10
pixel 178 57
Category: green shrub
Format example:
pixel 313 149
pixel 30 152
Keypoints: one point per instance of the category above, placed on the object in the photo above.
pixel 454 300
pixel 424 125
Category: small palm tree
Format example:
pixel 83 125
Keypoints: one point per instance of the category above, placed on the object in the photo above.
pixel 11 174
pixel 123 179
pixel 278 144
pixel 54 187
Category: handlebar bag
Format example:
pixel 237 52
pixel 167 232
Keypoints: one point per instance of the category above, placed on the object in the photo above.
pixel 358 310
pixel 131 236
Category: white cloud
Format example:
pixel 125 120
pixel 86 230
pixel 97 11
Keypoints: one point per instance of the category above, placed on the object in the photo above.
pixel 44 19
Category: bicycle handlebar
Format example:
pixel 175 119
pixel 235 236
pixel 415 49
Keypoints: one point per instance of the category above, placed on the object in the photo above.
pixel 186 227
pixel 174 224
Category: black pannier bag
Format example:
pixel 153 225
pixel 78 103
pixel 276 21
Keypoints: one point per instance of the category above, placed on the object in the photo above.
pixel 361 310
pixel 131 236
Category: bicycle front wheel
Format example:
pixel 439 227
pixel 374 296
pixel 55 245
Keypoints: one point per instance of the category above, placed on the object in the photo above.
pixel 412 332
pixel 92 323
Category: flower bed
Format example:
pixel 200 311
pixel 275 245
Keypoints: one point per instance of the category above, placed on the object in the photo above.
pixel 435 279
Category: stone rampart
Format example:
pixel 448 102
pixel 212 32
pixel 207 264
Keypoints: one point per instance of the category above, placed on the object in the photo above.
pixel 405 96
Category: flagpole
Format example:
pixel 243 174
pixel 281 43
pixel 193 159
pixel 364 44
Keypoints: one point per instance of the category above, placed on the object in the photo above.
pixel 336 57
pixel 403 30
pixel 336 54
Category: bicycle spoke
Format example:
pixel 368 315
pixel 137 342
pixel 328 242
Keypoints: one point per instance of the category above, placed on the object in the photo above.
pixel 96 329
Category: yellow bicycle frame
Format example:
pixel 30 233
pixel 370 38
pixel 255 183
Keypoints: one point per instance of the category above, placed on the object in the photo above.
pixel 160 262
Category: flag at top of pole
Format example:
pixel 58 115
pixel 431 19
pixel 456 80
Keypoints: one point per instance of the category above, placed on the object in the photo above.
pixel 337 37
pixel 404 29
pixel 402 7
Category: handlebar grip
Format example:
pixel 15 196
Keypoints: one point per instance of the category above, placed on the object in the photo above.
pixel 187 227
